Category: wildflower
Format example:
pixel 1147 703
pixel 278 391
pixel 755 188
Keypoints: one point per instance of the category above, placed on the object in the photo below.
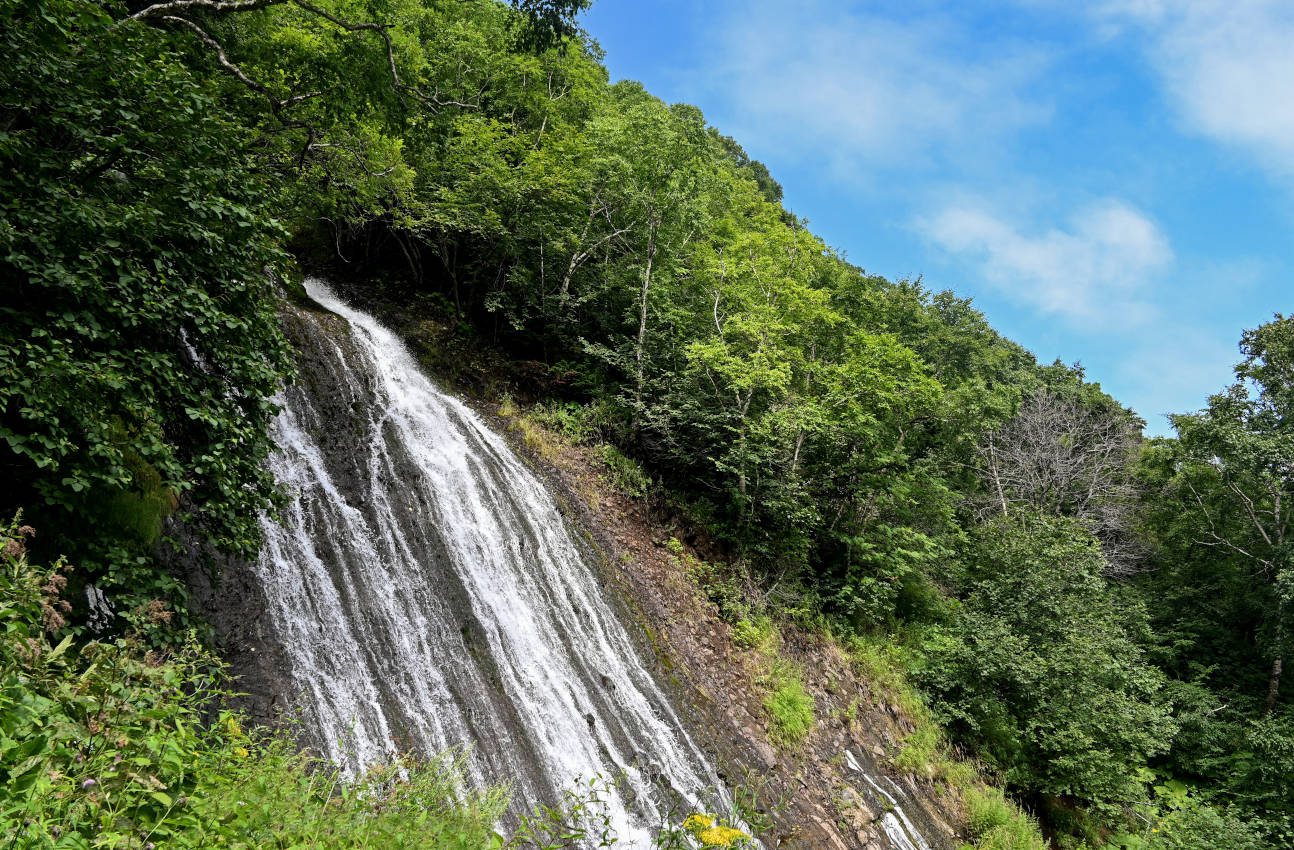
pixel 698 822
pixel 88 784
pixel 721 836
pixel 711 832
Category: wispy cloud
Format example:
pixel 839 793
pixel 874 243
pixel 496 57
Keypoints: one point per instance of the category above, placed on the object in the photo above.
pixel 1099 267
pixel 1227 66
pixel 860 90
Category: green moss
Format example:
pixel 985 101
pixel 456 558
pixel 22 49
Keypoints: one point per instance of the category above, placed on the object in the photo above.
pixel 658 649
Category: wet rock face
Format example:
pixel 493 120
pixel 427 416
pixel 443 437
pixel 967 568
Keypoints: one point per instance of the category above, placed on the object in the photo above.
pixel 226 592
pixel 423 592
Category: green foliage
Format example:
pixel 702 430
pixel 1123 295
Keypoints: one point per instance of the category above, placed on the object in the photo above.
pixel 751 632
pixel 1038 670
pixel 114 744
pixel 625 473
pixel 578 423
pixel 790 712
pixel 138 338
pixel 581 819
pixel 1179 819
pixel 726 584
pixel 826 424
pixel 995 823
pixel 791 709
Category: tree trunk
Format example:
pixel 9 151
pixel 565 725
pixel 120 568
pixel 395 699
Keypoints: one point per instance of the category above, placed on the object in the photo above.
pixel 1273 685
pixel 997 480
pixel 642 328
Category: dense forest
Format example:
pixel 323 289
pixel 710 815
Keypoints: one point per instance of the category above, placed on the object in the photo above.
pixel 1100 619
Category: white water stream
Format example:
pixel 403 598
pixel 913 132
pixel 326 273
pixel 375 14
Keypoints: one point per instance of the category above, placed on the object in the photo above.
pixel 429 595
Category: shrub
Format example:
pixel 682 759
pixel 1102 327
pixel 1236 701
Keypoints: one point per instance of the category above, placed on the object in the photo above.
pixel 725 585
pixel 751 632
pixel 576 422
pixel 997 824
pixel 625 472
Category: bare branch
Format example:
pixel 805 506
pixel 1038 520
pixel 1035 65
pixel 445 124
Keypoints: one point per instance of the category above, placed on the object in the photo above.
pixel 381 30
pixel 162 10
pixel 1058 457
pixel 223 59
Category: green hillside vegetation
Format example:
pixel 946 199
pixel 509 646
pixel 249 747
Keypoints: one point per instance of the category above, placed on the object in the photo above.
pixel 1100 619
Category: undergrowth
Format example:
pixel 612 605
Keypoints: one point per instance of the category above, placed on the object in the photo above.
pixel 546 427
pixel 791 709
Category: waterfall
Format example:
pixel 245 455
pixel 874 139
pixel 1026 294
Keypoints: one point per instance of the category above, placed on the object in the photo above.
pixel 429 595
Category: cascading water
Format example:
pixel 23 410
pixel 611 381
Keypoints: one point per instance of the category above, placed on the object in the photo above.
pixel 898 827
pixel 428 594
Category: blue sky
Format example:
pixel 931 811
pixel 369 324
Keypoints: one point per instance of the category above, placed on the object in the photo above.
pixel 1112 182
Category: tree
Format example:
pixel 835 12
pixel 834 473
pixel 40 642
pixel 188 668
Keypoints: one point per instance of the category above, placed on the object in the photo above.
pixel 1038 670
pixel 1062 457
pixel 1234 479
pixel 139 345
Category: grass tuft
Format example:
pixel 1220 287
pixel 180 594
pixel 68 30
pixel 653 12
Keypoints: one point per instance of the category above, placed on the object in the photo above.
pixel 995 823
pixel 791 712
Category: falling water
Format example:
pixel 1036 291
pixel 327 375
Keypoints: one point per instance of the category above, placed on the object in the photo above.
pixel 898 827
pixel 428 594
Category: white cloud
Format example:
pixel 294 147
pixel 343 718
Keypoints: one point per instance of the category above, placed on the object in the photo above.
pixel 1228 66
pixel 860 90
pixel 1100 267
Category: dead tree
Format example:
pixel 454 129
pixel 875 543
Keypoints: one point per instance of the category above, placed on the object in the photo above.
pixel 1058 457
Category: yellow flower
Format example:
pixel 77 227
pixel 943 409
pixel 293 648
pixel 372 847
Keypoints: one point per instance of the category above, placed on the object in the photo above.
pixel 721 836
pixel 711 832
pixel 698 822
pixel 241 752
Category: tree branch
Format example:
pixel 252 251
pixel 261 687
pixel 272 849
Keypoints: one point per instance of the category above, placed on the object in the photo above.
pixel 162 10
pixel 223 58
pixel 381 30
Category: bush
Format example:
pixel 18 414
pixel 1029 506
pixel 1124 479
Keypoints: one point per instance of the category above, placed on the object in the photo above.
pixel 576 422
pixel 625 472
pixel 728 586
pixel 751 632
